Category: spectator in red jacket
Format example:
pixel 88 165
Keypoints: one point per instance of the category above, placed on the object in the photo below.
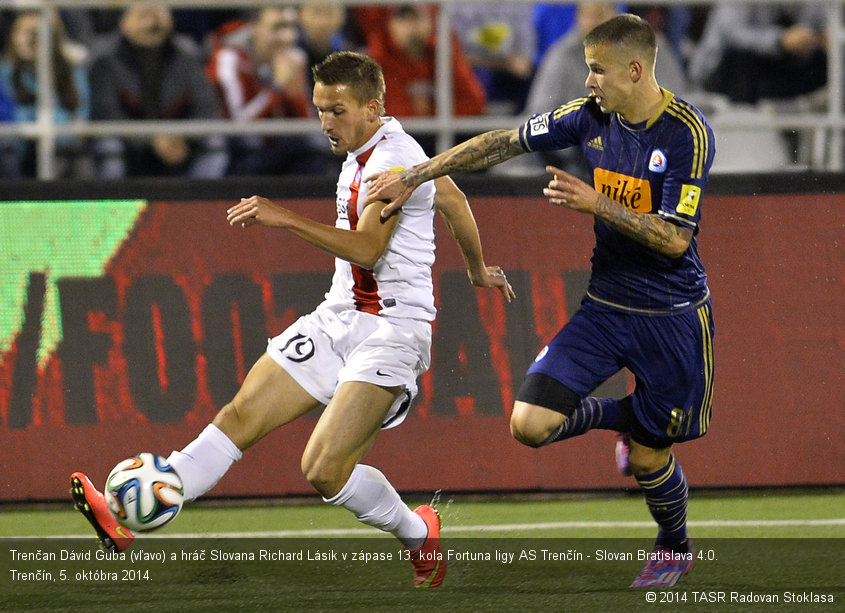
pixel 261 73
pixel 405 48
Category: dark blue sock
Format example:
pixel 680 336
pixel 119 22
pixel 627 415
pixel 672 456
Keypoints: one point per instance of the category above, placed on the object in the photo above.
pixel 591 414
pixel 666 494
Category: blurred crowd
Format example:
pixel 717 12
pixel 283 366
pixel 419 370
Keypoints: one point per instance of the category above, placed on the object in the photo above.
pixel 148 61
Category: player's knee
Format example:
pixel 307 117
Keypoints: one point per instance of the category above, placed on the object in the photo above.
pixel 326 475
pixel 319 476
pixel 532 425
pixel 645 460
pixel 520 430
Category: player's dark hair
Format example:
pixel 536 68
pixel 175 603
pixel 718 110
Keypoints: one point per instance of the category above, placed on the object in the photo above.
pixel 361 73
pixel 627 31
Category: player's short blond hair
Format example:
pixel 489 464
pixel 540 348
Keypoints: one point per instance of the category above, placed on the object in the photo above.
pixel 628 33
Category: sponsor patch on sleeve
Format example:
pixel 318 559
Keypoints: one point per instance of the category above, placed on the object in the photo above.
pixel 539 124
pixel 690 195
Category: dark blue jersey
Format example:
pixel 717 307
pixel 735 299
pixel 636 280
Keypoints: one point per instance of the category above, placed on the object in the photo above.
pixel 658 167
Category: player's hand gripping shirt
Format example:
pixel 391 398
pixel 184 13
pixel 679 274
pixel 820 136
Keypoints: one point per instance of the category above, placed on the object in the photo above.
pixel 658 167
pixel 400 284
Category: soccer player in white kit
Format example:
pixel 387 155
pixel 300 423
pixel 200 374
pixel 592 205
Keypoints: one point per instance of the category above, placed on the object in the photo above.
pixel 361 350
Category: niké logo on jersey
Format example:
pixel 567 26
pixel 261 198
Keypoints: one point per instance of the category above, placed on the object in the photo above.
pixel 632 192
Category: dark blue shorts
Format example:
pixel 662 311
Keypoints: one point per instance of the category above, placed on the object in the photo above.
pixel 671 357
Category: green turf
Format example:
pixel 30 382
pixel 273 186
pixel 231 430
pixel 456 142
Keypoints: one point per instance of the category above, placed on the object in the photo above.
pixel 755 557
pixel 457 511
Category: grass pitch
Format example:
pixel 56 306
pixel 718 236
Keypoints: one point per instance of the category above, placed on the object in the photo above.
pixel 763 550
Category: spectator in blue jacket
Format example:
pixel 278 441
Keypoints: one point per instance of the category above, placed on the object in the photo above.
pixel 19 83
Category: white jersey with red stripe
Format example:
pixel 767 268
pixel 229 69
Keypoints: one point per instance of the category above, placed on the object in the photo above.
pixel 400 284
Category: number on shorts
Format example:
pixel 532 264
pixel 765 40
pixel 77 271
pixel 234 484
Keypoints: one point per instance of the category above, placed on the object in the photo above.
pixel 675 423
pixel 299 348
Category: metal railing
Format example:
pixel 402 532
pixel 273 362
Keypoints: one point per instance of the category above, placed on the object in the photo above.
pixel 827 126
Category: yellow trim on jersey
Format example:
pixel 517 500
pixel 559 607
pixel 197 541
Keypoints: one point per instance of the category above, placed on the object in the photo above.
pixel 622 307
pixel 668 98
pixel 701 144
pixel 706 408
pixel 569 107
pixel 681 220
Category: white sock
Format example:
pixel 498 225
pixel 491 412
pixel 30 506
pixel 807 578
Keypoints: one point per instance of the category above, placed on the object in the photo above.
pixel 369 495
pixel 204 461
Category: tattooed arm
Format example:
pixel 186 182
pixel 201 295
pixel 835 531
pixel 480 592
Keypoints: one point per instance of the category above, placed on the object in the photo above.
pixel 649 230
pixel 477 153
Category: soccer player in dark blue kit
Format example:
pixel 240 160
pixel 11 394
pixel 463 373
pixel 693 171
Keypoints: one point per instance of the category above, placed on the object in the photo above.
pixel 647 307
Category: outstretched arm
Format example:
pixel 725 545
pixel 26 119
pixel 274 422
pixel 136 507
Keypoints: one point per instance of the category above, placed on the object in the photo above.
pixel 362 246
pixel 454 207
pixel 477 153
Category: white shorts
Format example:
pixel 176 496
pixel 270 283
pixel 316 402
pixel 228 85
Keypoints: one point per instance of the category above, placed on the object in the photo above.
pixel 329 346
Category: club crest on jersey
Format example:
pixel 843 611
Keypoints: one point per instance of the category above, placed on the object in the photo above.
pixel 539 124
pixel 657 163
